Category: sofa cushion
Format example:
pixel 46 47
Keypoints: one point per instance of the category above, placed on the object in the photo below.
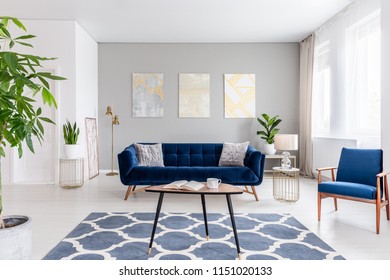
pixel 191 154
pixel 233 154
pixel 149 155
pixel 161 175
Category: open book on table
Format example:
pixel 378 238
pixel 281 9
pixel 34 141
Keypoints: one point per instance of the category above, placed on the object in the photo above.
pixel 184 185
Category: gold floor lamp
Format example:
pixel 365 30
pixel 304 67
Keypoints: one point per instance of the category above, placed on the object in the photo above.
pixel 115 121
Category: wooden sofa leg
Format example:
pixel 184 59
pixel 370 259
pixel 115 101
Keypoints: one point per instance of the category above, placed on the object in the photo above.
pixel 255 193
pixel 128 192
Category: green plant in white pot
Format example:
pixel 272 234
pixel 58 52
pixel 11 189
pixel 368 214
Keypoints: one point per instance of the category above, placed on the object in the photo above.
pixel 71 136
pixel 21 83
pixel 270 130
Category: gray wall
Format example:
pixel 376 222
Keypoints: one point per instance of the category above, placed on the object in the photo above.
pixel 276 66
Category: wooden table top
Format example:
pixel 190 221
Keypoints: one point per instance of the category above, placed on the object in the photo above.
pixel 222 189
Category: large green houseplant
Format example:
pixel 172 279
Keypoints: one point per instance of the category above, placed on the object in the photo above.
pixel 270 125
pixel 21 83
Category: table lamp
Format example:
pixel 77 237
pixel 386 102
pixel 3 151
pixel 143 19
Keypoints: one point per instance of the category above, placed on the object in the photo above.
pixel 286 142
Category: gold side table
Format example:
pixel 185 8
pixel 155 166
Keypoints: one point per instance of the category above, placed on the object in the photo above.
pixel 71 172
pixel 285 184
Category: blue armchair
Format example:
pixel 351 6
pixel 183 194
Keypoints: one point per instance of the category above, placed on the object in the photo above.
pixel 360 177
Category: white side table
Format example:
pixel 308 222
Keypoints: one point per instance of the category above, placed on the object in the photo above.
pixel 286 184
pixel 71 172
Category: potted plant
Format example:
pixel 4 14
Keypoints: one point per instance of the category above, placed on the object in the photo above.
pixel 270 130
pixel 71 135
pixel 21 83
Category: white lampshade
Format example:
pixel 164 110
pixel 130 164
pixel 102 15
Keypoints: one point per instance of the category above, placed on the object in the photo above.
pixel 286 142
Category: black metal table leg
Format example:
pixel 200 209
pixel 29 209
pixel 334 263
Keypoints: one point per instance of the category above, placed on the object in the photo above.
pixel 205 216
pixel 160 200
pixel 230 206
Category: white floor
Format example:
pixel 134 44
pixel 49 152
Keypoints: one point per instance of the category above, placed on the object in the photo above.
pixel 56 211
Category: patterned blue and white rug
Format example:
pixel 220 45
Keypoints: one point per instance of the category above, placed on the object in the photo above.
pixel 126 236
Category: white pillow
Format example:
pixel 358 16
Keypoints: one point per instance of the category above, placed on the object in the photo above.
pixel 233 154
pixel 149 155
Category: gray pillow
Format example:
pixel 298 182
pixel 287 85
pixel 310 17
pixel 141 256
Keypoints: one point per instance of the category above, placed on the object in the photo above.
pixel 233 154
pixel 149 155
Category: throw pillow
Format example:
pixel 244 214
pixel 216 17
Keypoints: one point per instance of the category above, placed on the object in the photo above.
pixel 233 154
pixel 149 155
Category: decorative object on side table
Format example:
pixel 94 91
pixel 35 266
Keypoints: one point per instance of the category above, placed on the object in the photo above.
pixel 71 136
pixel 115 121
pixel 21 84
pixel 286 142
pixel 269 132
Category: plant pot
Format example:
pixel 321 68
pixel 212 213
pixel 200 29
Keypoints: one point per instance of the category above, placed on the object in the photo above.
pixel 269 149
pixel 16 238
pixel 72 151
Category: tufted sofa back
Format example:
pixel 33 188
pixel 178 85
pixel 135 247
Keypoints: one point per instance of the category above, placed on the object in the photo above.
pixel 191 154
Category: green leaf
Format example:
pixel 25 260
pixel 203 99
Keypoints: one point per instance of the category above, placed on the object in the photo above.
pixel 48 98
pixel 2 153
pixel 265 116
pixel 12 60
pixel 24 37
pixel 18 24
pixel 20 150
pixel 50 76
pixel 44 82
pixel 24 44
pixel 46 120
pixel 40 127
pixel 29 143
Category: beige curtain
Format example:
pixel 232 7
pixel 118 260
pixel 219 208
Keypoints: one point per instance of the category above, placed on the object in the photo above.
pixel 305 103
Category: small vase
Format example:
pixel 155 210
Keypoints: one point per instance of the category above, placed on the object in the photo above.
pixel 72 150
pixel 269 149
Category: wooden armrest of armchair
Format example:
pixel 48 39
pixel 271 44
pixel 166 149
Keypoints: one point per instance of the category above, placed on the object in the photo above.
pixel 325 169
pixel 383 174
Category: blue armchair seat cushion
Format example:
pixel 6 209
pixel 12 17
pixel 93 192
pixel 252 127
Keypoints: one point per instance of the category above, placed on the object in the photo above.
pixel 348 189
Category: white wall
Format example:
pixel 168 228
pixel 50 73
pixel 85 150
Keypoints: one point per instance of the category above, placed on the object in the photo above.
pixel 76 54
pixel 86 84
pixel 385 111
pixel 276 66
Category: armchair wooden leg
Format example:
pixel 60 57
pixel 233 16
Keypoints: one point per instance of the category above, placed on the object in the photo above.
pixel 319 206
pixel 335 203
pixel 378 214
pixel 387 199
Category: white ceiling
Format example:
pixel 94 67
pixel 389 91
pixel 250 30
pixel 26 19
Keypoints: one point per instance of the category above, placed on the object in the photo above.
pixel 182 21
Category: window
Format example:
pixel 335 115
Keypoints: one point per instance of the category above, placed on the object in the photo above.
pixel 346 78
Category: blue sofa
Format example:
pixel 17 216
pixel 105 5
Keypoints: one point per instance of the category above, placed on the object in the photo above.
pixel 186 161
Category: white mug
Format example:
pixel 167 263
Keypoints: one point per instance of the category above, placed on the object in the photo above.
pixel 213 183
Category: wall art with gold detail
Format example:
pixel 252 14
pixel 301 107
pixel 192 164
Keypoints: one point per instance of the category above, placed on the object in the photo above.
pixel 194 95
pixel 148 95
pixel 240 96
